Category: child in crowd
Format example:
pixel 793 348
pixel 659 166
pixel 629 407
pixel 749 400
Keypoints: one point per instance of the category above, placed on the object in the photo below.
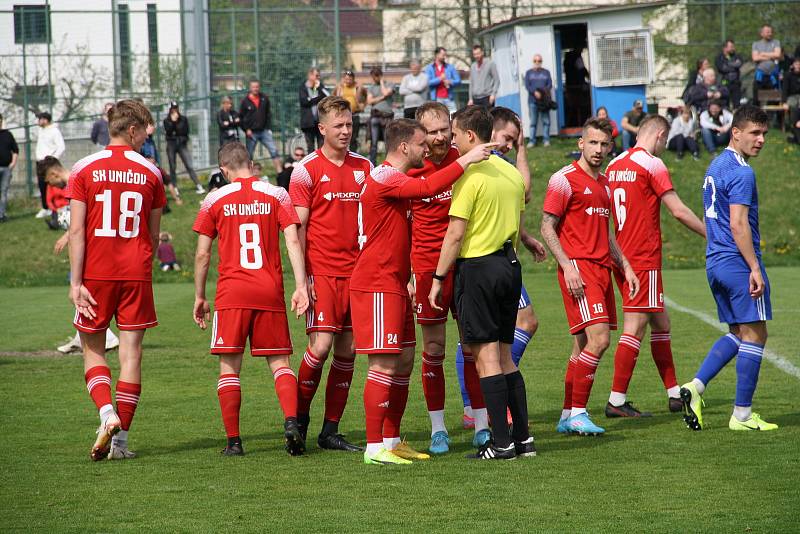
pixel 166 254
pixel 56 177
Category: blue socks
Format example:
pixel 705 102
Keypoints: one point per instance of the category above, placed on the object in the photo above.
pixel 718 357
pixel 460 373
pixel 747 366
pixel 521 340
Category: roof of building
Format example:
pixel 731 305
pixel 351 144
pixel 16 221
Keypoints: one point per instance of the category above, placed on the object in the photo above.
pixel 542 17
pixel 354 19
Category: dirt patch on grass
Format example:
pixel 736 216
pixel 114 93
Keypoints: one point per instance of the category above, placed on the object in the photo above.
pixel 36 354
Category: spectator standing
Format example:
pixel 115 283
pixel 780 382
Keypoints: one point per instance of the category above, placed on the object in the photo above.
pixel 9 153
pixel 355 96
pixel 228 121
pixel 284 177
pixel 49 142
pixel 729 64
pixel 99 133
pixel 413 89
pixel 443 78
pixel 791 97
pixel 312 91
pixel 766 54
pixel 715 126
pixel 484 81
pixel 630 124
pixel 176 132
pixel 681 134
pixel 379 97
pixel 699 96
pixel 539 84
pixel 602 113
pixel 255 116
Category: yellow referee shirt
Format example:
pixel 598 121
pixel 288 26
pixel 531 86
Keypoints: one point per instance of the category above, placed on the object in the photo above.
pixel 490 196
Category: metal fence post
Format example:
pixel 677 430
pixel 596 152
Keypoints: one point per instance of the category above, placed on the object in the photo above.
pixel 337 40
pixel 26 104
pixel 258 40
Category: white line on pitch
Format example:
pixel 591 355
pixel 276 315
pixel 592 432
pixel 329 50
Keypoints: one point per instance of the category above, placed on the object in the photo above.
pixel 776 359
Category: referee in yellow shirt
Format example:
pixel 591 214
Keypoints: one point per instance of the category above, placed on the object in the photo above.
pixel 488 202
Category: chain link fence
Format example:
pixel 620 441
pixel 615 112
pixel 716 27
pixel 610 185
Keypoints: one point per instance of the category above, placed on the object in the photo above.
pixel 70 62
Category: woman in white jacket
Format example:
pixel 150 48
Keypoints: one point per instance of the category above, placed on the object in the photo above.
pixel 681 134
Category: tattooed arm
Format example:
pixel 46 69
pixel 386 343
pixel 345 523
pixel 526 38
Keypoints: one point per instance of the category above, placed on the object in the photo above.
pixel 571 276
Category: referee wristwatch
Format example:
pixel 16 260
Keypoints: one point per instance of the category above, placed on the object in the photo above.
pixel 439 277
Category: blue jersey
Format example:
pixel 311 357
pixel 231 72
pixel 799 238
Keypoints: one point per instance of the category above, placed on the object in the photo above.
pixel 729 180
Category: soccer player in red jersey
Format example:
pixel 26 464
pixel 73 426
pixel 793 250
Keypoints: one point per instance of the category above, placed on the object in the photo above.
pixel 116 197
pixel 639 183
pixel 382 315
pixel 325 187
pixel 575 221
pixel 429 219
pixel 247 215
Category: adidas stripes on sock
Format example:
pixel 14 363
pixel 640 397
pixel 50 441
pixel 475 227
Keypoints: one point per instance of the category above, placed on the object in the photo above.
pixel 127 397
pixel 376 402
pixel 337 389
pixel 308 379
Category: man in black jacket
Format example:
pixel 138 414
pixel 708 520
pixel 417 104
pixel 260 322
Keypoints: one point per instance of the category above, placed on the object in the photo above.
pixel 728 65
pixel 176 132
pixel 701 94
pixel 311 93
pixel 256 121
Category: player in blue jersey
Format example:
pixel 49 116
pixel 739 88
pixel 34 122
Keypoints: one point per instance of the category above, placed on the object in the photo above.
pixel 735 273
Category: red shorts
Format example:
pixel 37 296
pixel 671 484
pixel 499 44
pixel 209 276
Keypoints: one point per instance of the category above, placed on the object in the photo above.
pixel 425 313
pixel 331 311
pixel 384 322
pixel 268 332
pixel 597 303
pixel 130 302
pixel 650 298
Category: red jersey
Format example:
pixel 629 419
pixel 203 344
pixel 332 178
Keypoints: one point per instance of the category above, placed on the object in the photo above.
pixel 384 225
pixel 429 219
pixel 120 188
pixel 247 215
pixel 331 194
pixel 56 199
pixel 583 206
pixel 638 180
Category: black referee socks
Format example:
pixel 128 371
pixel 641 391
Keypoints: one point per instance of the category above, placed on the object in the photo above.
pixel 495 394
pixel 518 405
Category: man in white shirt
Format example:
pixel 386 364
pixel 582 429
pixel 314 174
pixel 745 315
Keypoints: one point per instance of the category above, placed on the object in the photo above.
pixel 715 126
pixel 49 142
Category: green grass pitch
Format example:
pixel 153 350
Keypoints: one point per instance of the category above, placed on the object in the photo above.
pixel 650 475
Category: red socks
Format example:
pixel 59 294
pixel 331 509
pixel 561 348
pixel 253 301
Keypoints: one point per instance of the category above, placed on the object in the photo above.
pixel 583 378
pixel 569 378
pixel 433 381
pixel 624 362
pixel 229 391
pixel 98 382
pixel 376 403
pixel 308 378
pixel 337 388
pixel 286 388
pixel 398 397
pixel 661 347
pixel 127 396
pixel 473 383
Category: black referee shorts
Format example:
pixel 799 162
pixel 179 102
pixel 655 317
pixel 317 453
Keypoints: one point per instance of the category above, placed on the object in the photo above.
pixel 487 293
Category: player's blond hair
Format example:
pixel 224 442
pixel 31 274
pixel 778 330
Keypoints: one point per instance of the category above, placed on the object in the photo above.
pixel 233 155
pixel 332 105
pixel 434 109
pixel 127 113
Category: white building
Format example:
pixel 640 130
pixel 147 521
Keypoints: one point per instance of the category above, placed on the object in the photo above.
pixel 69 57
